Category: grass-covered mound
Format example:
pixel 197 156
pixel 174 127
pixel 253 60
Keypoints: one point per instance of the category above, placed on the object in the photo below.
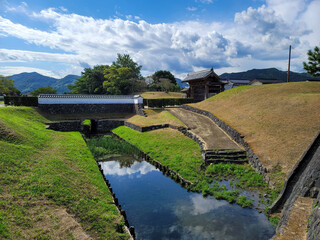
pixel 51 187
pixel 155 117
pixel 279 121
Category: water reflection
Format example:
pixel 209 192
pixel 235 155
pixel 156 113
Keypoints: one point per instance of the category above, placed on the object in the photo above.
pixel 161 209
pixel 116 168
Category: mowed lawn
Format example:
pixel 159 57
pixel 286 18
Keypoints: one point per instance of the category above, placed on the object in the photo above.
pixel 50 187
pixel 155 117
pixel 279 121
pixel 155 95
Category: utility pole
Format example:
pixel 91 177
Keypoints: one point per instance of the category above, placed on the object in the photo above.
pixel 288 75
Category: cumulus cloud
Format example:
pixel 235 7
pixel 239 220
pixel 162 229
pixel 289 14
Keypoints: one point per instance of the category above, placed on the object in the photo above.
pixel 258 36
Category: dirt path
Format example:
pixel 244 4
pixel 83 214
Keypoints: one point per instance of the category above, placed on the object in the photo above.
pixel 206 129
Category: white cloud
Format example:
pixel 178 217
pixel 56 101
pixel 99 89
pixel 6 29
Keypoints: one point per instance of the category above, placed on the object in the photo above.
pixel 258 38
pixel 8 71
pixel 192 9
pixel 205 1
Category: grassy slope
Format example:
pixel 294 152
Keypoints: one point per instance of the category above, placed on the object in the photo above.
pixel 155 117
pixel 168 146
pixel 42 174
pixel 154 95
pixel 279 121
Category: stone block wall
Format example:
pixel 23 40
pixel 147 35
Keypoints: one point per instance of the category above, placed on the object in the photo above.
pixel 65 126
pixel 314 221
pixel 87 108
pixel 104 126
pixel 303 181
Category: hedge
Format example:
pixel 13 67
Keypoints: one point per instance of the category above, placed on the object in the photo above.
pixel 21 101
pixel 163 102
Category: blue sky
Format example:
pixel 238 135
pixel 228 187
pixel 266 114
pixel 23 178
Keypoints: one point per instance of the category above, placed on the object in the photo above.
pixel 57 37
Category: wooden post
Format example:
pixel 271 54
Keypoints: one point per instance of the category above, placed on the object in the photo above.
pixel 288 75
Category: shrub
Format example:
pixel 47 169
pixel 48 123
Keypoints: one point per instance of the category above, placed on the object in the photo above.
pixel 21 101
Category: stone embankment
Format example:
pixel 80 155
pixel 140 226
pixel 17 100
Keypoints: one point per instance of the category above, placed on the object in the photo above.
pixel 303 181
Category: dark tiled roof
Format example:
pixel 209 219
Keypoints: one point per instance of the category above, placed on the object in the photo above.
pixel 198 75
pixel 86 96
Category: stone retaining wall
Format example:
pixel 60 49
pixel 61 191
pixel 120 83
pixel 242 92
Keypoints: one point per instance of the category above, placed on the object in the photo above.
pixel 314 221
pixel 237 137
pixel 303 181
pixel 65 126
pixel 106 125
pixel 87 108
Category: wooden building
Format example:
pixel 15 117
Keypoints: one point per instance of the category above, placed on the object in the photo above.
pixel 203 84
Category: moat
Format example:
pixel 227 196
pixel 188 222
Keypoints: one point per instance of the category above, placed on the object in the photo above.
pixel 159 208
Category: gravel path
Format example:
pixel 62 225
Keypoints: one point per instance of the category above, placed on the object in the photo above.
pixel 214 137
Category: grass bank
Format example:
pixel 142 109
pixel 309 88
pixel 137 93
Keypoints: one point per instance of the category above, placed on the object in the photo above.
pixel 181 154
pixel 155 117
pixel 279 121
pixel 155 95
pixel 51 187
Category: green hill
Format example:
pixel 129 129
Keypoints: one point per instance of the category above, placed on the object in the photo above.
pixel 268 73
pixel 28 82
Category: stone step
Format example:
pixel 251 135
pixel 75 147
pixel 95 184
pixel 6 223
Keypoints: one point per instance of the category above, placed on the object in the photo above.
pixel 225 152
pixel 226 156
pixel 215 161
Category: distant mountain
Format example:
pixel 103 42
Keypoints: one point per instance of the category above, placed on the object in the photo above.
pixel 268 73
pixel 181 84
pixel 27 82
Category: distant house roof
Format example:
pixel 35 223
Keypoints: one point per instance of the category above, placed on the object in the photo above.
pixel 239 81
pixel 265 81
pixel 200 75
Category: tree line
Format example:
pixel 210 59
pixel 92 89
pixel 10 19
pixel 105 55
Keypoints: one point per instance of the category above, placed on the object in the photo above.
pixel 122 77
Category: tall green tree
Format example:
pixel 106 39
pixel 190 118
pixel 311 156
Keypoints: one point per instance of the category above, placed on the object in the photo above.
pixel 126 61
pixel 7 86
pixel 118 80
pixel 91 81
pixel 43 90
pixel 122 77
pixel 313 65
pixel 163 74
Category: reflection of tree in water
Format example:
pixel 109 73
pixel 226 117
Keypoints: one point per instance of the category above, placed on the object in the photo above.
pixel 127 161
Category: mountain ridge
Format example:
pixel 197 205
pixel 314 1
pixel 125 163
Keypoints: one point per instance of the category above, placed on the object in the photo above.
pixel 268 73
pixel 28 82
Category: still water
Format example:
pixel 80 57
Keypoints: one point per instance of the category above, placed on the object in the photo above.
pixel 159 208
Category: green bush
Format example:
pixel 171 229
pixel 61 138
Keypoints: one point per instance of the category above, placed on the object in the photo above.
pixel 21 101
pixel 163 102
